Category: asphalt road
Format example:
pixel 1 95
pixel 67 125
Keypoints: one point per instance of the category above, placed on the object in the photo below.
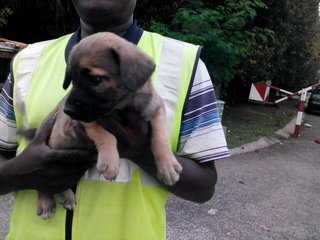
pixel 268 194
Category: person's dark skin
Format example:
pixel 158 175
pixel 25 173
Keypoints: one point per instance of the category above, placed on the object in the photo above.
pixel 197 181
pixel 42 168
pixel 104 16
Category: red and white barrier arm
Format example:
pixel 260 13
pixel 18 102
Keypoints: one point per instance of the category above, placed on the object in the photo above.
pixel 289 95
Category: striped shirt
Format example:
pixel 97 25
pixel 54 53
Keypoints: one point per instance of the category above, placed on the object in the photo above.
pixel 8 139
pixel 201 134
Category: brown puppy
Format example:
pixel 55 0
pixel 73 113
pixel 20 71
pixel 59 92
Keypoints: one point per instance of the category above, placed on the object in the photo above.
pixel 108 73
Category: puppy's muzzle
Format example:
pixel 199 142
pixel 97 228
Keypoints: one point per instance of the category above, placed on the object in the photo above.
pixel 73 108
pixel 82 107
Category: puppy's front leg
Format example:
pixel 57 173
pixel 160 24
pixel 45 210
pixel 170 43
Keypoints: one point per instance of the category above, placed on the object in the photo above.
pixel 169 169
pixel 108 155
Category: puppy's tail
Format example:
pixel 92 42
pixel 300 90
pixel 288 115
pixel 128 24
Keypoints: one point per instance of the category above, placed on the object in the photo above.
pixel 27 133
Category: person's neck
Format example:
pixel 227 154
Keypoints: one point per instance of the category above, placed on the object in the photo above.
pixel 119 29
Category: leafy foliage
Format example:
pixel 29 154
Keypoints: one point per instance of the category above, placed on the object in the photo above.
pixel 224 31
pixel 244 40
pixel 4 13
pixel 291 61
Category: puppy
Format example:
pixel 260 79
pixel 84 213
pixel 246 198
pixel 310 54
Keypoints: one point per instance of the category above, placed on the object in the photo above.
pixel 108 73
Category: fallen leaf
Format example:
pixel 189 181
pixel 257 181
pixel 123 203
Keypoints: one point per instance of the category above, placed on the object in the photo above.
pixel 263 227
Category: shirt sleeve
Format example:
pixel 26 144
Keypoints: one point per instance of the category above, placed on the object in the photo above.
pixel 201 135
pixel 8 138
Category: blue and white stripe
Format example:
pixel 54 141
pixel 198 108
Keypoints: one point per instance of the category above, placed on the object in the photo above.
pixel 201 135
pixel 8 140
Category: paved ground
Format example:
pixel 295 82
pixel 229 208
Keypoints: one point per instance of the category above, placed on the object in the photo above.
pixel 5 207
pixel 267 194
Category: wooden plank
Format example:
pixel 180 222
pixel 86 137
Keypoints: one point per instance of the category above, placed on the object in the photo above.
pixel 19 44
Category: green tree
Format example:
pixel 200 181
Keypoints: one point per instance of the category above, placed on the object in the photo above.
pixel 225 31
pixel 291 61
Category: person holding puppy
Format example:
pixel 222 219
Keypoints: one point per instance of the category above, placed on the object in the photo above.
pixel 133 205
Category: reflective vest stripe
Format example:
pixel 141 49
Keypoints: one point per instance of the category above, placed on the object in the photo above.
pixel 170 67
pixel 25 66
pixel 189 57
pixel 175 65
pixel 23 72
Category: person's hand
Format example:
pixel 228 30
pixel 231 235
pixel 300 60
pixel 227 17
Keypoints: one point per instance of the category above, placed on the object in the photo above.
pixel 42 168
pixel 133 134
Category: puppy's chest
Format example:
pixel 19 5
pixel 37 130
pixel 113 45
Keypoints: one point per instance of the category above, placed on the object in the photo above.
pixel 145 103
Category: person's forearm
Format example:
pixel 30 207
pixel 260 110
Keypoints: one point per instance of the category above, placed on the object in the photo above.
pixel 196 183
pixel 6 184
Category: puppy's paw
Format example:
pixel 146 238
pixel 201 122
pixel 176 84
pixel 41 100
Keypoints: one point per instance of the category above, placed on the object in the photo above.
pixel 169 171
pixel 109 170
pixel 67 199
pixel 45 208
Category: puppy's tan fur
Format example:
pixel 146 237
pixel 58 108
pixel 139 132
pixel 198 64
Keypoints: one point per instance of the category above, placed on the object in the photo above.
pixel 128 77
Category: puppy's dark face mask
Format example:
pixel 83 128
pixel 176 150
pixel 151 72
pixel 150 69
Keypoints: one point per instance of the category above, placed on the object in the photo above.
pixel 93 95
pixel 104 73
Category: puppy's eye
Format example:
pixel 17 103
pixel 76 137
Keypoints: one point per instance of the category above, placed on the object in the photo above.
pixel 95 79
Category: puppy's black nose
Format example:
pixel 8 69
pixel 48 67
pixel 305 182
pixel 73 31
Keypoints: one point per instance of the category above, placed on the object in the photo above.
pixel 73 108
pixel 69 110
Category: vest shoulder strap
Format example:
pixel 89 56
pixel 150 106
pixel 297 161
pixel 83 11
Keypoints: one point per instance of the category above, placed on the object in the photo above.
pixel 176 64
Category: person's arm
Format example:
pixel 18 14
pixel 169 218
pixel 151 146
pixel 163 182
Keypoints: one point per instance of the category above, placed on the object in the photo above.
pixel 41 168
pixel 38 166
pixel 5 155
pixel 197 181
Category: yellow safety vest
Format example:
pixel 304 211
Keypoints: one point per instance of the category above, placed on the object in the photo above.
pixel 133 206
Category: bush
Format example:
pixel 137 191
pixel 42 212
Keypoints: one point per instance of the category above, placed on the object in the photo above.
pixel 224 31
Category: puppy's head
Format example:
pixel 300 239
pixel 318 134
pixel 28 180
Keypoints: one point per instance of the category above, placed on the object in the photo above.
pixel 104 69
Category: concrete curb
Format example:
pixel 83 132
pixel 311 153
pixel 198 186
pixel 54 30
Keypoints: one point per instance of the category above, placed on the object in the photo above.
pixel 267 141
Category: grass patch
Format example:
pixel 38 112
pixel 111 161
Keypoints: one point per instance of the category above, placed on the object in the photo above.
pixel 248 122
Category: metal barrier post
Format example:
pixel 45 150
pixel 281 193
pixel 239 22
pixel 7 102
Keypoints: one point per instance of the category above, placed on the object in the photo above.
pixel 300 113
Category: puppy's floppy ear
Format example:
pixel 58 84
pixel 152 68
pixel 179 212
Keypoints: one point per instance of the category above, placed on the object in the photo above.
pixel 67 78
pixel 136 67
